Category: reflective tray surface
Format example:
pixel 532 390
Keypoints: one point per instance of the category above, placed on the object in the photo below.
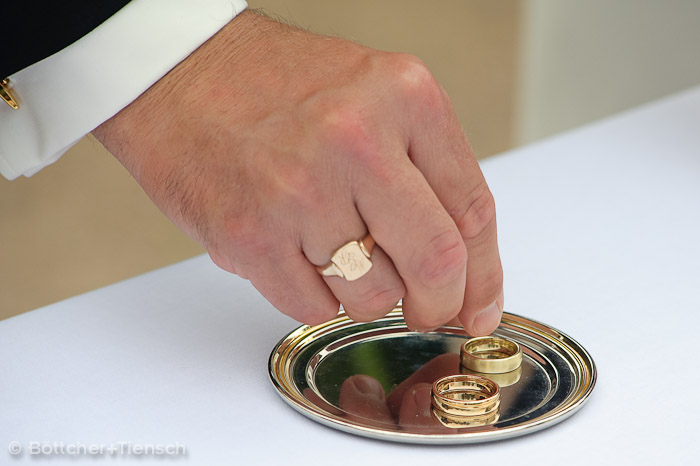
pixel 373 379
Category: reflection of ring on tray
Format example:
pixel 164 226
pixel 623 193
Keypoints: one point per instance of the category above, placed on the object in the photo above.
pixel 503 380
pixel 466 395
pixel 460 422
pixel 309 366
pixel 491 355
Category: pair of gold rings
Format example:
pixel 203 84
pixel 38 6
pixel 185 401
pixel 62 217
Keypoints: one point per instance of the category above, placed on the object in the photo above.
pixel 472 399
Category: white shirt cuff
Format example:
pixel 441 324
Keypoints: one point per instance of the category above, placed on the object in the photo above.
pixel 70 93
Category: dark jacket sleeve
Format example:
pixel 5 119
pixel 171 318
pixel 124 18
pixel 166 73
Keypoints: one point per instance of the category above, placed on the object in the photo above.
pixel 33 30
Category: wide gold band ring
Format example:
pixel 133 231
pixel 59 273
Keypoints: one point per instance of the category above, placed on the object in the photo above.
pixel 350 261
pixel 466 395
pixel 491 355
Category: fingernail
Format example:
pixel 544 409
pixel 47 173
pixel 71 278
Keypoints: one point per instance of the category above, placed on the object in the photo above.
pixel 369 387
pixel 423 399
pixel 487 320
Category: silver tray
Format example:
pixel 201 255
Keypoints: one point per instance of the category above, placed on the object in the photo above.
pixel 310 365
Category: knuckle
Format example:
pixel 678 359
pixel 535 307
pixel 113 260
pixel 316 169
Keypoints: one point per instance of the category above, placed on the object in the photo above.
pixel 349 134
pixel 342 123
pixel 442 261
pixel 348 130
pixel 417 82
pixel 478 214
pixel 295 186
pixel 288 183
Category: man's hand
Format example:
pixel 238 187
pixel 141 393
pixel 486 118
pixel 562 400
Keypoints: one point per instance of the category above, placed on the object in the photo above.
pixel 272 147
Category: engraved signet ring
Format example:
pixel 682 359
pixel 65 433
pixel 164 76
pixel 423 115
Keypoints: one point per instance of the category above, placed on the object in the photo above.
pixel 350 261
pixel 491 355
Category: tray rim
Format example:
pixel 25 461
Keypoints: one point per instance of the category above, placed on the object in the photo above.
pixel 292 342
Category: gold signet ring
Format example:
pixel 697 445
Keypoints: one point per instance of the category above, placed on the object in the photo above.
pixel 350 261
pixel 491 355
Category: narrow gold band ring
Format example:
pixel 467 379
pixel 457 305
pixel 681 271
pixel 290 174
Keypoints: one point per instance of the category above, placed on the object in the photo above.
pixel 466 395
pixel 491 355
pixel 350 261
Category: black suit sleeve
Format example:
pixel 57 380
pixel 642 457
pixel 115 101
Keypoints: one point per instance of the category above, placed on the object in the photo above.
pixel 33 30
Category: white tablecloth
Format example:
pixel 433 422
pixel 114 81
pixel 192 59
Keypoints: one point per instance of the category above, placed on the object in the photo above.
pixel 600 237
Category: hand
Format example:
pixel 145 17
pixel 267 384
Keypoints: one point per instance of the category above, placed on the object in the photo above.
pixel 272 147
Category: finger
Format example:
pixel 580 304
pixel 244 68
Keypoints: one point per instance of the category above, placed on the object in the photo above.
pixel 423 242
pixel 363 398
pixel 440 366
pixel 416 414
pixel 286 278
pixel 370 296
pixel 439 149
pixel 373 295
pixel 316 400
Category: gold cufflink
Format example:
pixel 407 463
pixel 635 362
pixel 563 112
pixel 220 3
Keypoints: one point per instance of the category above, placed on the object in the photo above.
pixel 7 95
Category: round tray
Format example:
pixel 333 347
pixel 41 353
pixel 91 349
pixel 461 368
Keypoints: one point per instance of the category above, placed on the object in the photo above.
pixel 325 371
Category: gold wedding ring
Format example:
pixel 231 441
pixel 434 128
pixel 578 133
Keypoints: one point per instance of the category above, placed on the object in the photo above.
pixel 465 395
pixel 350 261
pixel 491 355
